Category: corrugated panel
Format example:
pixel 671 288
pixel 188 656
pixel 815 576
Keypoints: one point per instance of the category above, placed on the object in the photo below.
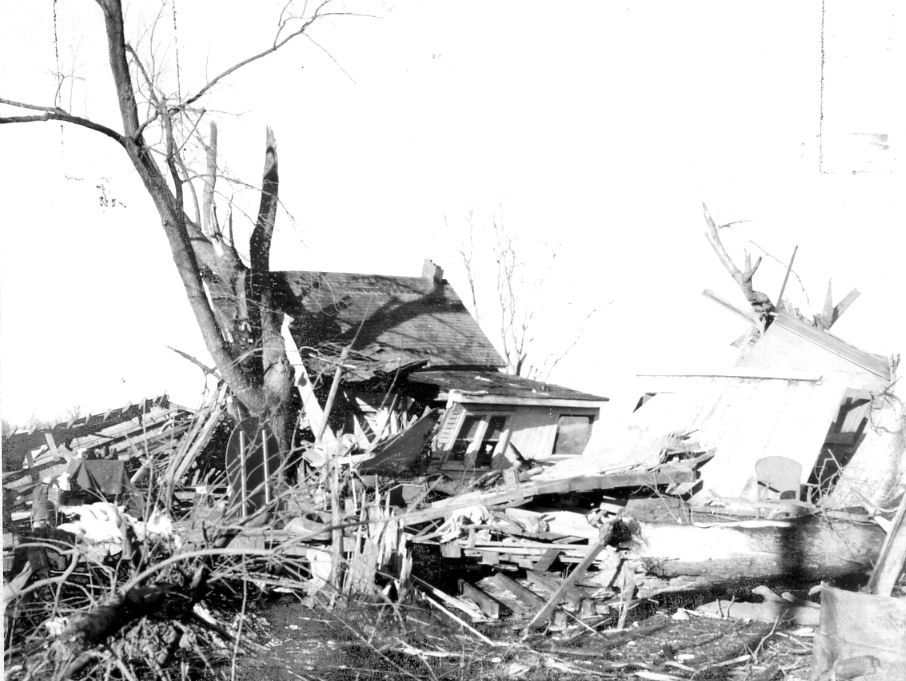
pixel 742 419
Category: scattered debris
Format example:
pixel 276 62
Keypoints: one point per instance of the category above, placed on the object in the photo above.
pixel 681 543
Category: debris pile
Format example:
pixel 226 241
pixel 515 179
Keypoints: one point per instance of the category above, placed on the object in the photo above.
pixel 729 512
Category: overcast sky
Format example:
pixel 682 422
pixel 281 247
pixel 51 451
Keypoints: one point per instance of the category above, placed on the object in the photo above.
pixel 592 130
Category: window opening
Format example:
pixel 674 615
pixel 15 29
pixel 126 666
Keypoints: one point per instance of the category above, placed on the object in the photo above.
pixel 467 433
pixel 573 433
pixel 492 435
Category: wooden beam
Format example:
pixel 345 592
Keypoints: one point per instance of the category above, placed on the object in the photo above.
pixel 488 604
pixel 892 557
pixel 786 277
pixel 550 584
pixel 456 396
pixel 708 293
pixel 524 594
pixel 667 474
pixel 545 612
pixel 841 307
pixel 313 411
pixel 545 562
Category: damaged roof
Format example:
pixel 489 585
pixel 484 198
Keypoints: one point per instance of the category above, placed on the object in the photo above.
pixel 497 387
pixel 17 445
pixel 791 343
pixel 393 321
pixel 740 418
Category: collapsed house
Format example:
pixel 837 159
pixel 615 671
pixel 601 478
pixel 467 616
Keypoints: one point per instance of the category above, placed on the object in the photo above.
pixel 773 472
pixel 406 348
pixel 801 408
pixel 91 451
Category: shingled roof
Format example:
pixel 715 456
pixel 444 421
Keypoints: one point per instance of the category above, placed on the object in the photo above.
pixel 496 387
pixel 394 321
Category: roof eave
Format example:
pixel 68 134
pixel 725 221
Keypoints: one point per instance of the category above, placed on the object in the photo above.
pixel 492 399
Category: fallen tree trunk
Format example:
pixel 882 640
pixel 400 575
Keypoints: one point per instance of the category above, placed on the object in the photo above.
pixel 674 557
pixel 71 650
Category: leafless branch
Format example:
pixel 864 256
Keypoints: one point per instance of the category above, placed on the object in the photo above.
pixel 278 43
pixel 56 114
pixel 467 258
pixel 758 300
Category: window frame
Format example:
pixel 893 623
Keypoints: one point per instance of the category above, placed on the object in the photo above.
pixel 469 456
pixel 592 419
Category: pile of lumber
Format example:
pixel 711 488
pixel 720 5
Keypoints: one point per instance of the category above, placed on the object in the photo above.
pixel 541 558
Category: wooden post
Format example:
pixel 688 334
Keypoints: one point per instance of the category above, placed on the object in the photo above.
pixel 892 557
pixel 787 275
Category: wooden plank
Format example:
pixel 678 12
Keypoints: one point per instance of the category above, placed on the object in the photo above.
pixel 747 314
pixel 573 579
pixel 549 585
pixel 667 474
pixel 489 605
pixel 30 460
pixel 451 549
pixel 844 439
pixel 473 613
pixel 545 562
pixel 490 558
pixel 892 557
pixel 524 594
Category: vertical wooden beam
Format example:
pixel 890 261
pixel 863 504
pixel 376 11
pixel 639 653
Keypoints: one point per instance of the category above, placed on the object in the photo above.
pixel 892 557
pixel 787 275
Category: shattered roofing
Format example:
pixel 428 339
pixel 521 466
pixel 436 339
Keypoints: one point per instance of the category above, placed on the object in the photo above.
pixel 16 445
pixel 497 384
pixel 741 419
pixel 395 321
pixel 876 364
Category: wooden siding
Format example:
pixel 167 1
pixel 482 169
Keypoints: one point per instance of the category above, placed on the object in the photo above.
pixel 531 429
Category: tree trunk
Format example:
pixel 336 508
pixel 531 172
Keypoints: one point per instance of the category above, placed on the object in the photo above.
pixel 801 550
pixel 232 305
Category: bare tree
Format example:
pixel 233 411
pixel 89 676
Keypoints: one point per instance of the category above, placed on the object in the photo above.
pixel 231 299
pixel 762 305
pixel 516 300
pixel 760 302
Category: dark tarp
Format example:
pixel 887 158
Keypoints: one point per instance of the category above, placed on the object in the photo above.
pixel 400 454
pixel 100 475
pixel 105 478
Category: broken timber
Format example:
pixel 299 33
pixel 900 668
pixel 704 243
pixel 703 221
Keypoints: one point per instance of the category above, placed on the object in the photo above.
pixel 893 556
pixel 541 616
pixel 668 474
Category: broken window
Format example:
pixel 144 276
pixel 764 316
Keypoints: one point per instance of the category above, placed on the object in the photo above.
pixel 489 441
pixel 573 433
pixel 478 438
pixel 463 441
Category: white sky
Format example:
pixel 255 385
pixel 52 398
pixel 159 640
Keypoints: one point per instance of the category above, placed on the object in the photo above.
pixel 594 129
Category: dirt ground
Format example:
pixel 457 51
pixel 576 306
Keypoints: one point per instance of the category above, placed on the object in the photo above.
pixel 373 641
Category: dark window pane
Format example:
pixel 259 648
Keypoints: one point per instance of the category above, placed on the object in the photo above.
pixel 573 433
